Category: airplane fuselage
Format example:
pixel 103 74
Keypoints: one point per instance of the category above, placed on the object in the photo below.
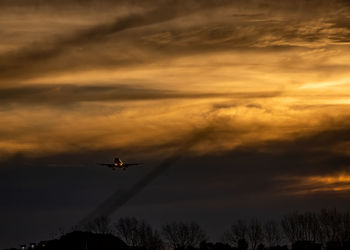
pixel 118 164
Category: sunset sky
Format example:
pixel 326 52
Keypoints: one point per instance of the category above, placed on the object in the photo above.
pixel 263 86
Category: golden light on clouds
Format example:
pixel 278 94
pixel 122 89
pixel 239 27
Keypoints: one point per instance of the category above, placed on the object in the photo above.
pixel 139 76
pixel 335 183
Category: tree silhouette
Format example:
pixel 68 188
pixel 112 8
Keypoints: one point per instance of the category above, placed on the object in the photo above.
pixel 327 229
pixel 237 231
pixel 301 227
pixel 137 233
pixel 345 227
pixel 183 235
pixel 100 225
pixel 330 224
pixel 291 227
pixel 272 233
pixel 148 238
pixel 255 233
pixel 126 229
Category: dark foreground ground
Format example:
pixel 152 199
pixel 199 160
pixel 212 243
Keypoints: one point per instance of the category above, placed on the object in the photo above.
pixel 79 240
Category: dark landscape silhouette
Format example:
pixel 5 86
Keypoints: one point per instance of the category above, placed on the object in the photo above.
pixel 327 229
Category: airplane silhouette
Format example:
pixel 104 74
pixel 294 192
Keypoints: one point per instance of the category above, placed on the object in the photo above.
pixel 118 163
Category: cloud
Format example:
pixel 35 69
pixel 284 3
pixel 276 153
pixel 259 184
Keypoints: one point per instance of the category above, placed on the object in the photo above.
pixel 165 30
pixel 44 120
pixel 64 94
pixel 31 60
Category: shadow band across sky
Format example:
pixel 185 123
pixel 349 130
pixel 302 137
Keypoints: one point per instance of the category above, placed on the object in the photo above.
pixel 120 197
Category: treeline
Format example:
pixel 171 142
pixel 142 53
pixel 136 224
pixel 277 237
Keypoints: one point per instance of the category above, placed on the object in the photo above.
pixel 323 230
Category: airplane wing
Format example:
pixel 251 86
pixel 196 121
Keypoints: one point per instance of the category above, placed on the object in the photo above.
pixel 131 164
pixel 106 164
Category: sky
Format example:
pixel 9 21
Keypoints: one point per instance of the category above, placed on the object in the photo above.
pixel 237 109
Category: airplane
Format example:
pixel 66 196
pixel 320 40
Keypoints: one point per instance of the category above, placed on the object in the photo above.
pixel 118 163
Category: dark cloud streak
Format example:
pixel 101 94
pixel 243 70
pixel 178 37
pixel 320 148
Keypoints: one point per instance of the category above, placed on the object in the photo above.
pixel 28 61
pixel 243 31
pixel 68 94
